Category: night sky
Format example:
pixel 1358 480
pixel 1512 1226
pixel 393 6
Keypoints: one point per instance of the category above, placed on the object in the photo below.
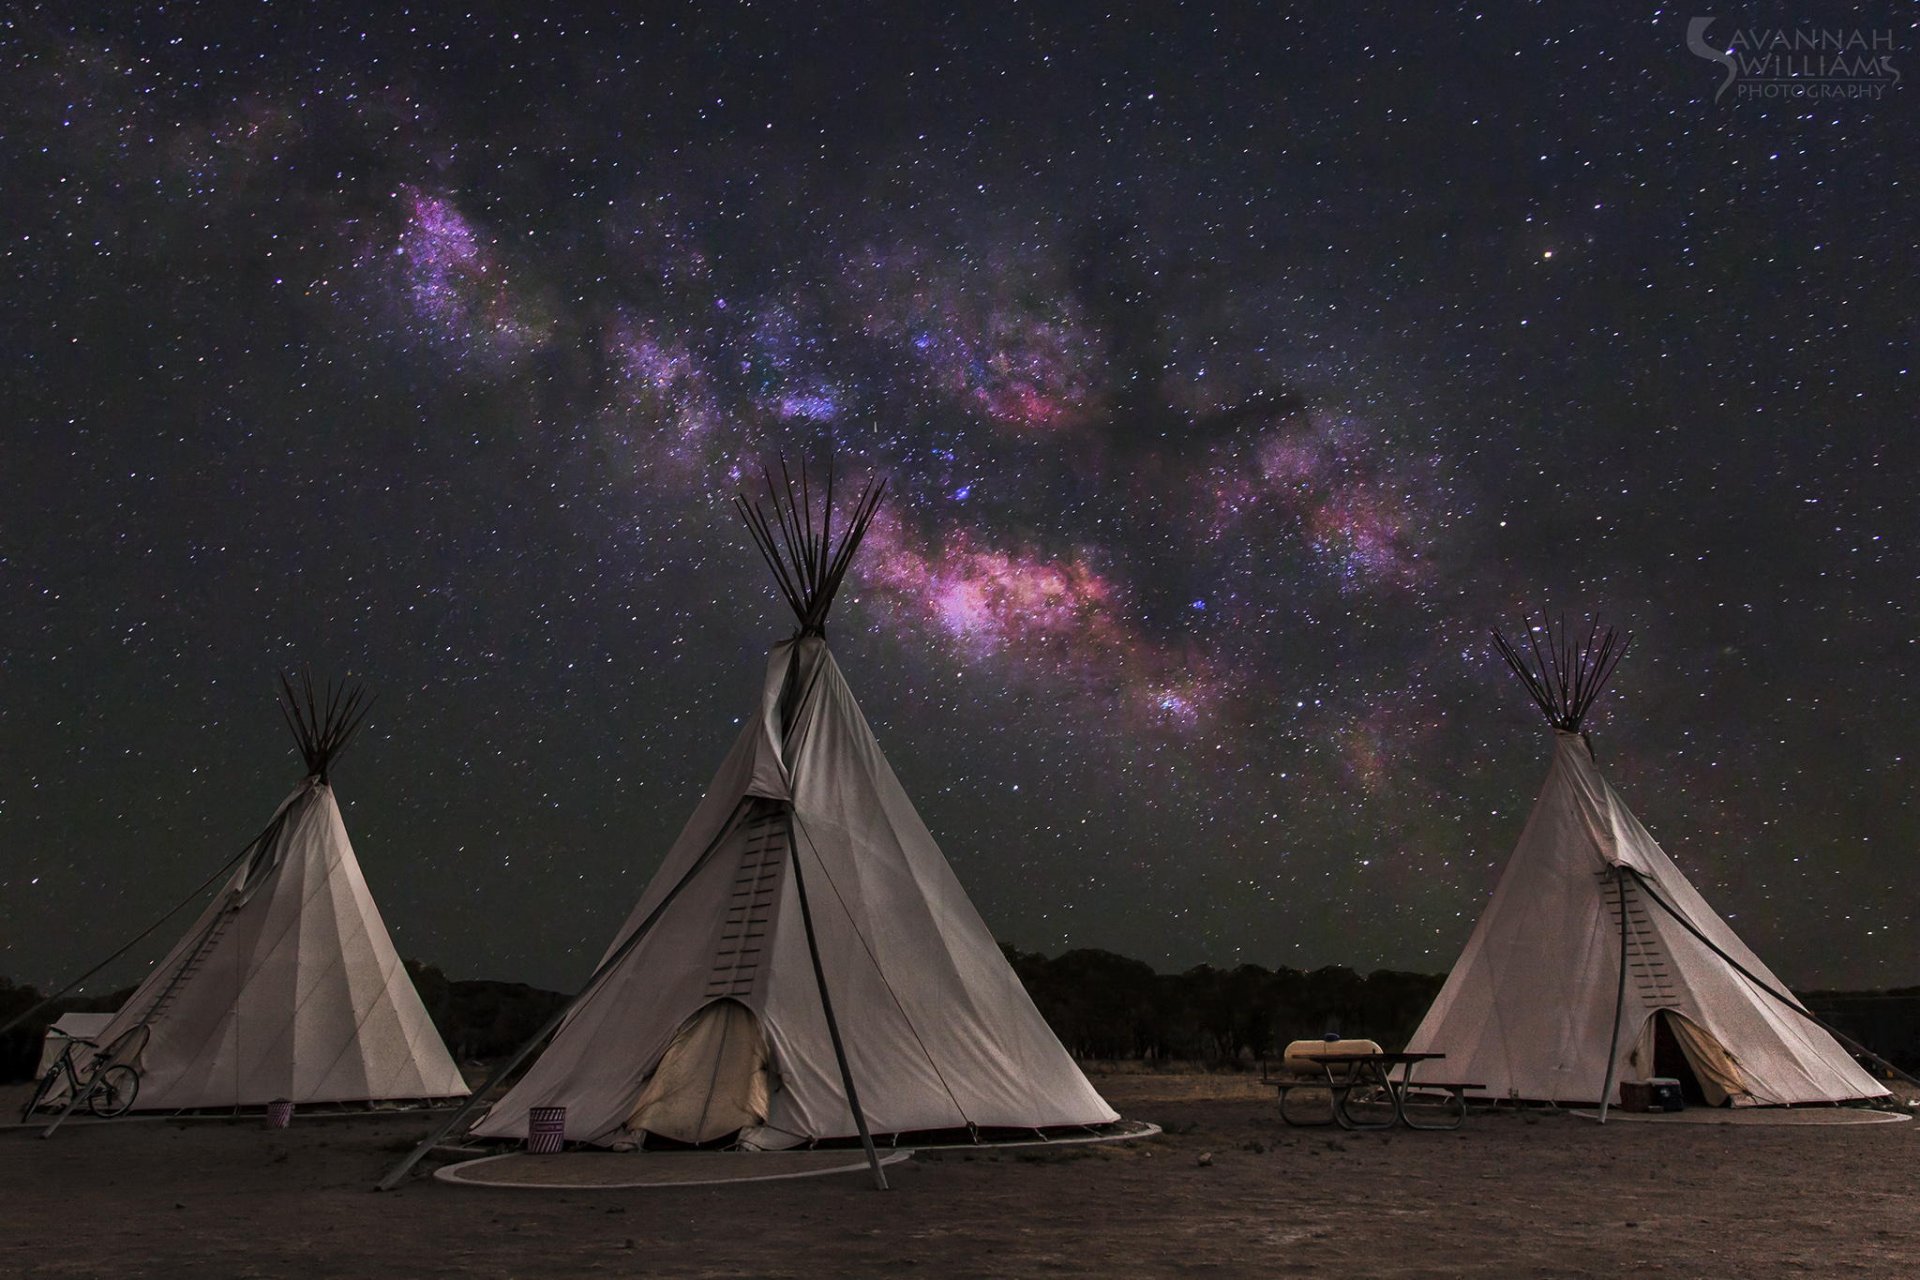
pixel 1234 372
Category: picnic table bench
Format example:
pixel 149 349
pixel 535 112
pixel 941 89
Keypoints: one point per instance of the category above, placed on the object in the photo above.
pixel 1372 1075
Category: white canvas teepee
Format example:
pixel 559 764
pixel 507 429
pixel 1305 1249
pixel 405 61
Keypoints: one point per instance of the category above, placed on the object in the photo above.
pixel 287 987
pixel 1595 946
pixel 805 959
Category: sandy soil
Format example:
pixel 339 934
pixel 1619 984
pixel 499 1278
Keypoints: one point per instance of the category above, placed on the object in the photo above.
pixel 1506 1196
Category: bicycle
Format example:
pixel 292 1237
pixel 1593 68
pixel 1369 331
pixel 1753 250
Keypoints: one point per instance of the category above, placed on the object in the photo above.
pixel 107 1087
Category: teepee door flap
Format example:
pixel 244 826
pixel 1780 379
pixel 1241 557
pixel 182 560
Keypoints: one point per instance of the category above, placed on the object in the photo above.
pixel 712 1080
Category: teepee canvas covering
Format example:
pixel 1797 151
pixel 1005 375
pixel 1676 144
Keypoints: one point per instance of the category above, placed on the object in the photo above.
pixel 804 897
pixel 287 987
pixel 1536 1007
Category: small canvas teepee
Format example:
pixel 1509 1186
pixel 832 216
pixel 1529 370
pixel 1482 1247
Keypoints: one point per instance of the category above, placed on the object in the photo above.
pixel 287 987
pixel 804 965
pixel 1596 961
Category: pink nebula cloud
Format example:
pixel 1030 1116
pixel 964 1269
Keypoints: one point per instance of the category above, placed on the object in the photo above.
pixel 1351 501
pixel 455 282
pixel 1379 740
pixel 1002 334
pixel 989 600
pixel 661 404
pixel 1058 621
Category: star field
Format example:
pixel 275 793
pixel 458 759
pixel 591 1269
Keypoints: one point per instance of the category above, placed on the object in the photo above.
pixel 1234 373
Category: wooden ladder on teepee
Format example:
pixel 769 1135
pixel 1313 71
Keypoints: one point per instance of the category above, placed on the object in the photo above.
pixel 196 961
pixel 1647 962
pixel 736 961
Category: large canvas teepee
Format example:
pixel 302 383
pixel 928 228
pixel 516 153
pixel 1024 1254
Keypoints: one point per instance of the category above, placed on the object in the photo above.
pixel 287 987
pixel 804 965
pixel 1596 961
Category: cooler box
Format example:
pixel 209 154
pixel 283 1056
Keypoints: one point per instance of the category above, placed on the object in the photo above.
pixel 1661 1093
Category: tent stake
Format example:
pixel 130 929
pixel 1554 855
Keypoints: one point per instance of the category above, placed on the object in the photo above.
pixel 826 1006
pixel 521 1054
pixel 1620 996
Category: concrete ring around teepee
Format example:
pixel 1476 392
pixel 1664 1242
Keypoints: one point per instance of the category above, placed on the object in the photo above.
pixel 611 1171
pixel 1756 1117
pixel 1122 1131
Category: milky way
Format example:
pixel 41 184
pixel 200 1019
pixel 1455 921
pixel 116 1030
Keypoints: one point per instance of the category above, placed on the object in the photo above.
pixel 1232 375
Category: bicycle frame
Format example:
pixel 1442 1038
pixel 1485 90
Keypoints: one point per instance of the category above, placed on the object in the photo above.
pixel 81 1090
pixel 48 1082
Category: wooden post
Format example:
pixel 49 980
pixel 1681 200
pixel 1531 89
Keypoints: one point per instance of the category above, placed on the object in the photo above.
pixel 1620 996
pixel 826 1006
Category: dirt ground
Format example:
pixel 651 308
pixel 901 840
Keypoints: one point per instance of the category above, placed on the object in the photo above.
pixel 1508 1195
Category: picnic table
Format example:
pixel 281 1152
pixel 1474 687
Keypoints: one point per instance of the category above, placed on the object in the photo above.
pixel 1373 1076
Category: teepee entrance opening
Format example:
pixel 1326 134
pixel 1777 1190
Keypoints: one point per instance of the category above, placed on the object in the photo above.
pixel 1670 1061
pixel 712 1082
pixel 1681 1049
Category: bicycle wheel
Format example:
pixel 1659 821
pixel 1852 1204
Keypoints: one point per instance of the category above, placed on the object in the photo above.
pixel 114 1092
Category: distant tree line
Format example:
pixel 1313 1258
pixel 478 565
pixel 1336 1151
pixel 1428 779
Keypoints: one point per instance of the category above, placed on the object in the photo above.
pixel 1101 1005
pixel 482 1020
pixel 1106 1006
pixel 1887 1022
pixel 20 1047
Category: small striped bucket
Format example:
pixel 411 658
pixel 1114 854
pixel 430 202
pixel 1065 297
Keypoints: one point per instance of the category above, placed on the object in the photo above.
pixel 279 1113
pixel 546 1129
